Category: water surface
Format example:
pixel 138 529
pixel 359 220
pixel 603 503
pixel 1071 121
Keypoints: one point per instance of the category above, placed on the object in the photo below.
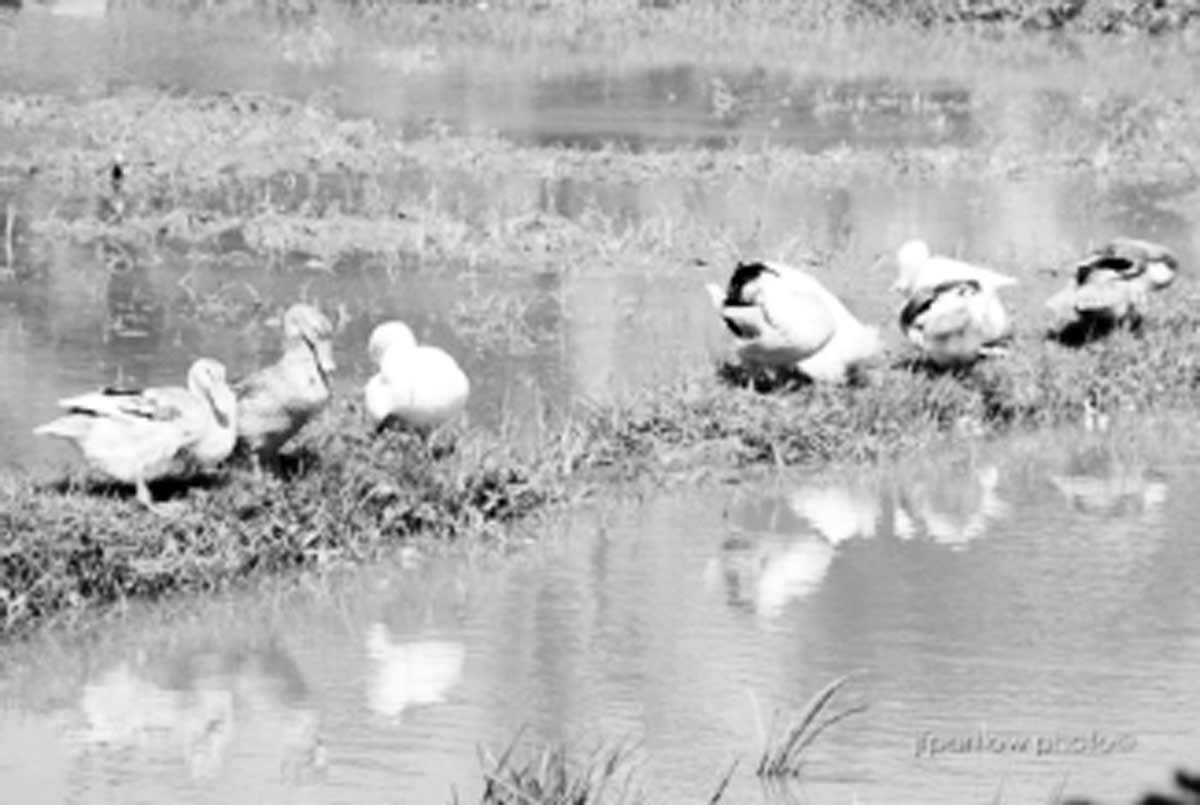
pixel 1034 589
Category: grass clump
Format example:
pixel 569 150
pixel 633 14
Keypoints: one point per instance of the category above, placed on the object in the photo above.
pixel 552 776
pixel 342 496
pixel 783 753
pixel 901 406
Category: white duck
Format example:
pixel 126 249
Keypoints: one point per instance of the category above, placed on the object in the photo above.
pixel 956 323
pixel 1110 288
pixel 783 317
pixel 278 400
pixel 417 386
pixel 139 436
pixel 918 268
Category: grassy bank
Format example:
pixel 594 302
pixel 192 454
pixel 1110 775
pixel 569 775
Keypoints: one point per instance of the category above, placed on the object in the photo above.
pixel 348 497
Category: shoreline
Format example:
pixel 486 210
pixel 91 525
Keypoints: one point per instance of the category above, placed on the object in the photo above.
pixel 349 497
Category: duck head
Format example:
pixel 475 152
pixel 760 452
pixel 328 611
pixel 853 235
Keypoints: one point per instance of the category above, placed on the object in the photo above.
pixel 387 335
pixel 304 324
pixel 208 381
pixel 909 258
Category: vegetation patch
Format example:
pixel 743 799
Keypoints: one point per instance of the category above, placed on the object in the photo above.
pixel 343 496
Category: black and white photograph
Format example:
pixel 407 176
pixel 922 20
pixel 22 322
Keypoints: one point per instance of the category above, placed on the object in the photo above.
pixel 599 402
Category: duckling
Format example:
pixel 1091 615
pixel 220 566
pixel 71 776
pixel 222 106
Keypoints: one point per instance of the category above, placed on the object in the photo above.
pixel 918 268
pixel 417 386
pixel 956 322
pixel 1110 289
pixel 784 317
pixel 139 436
pixel 277 401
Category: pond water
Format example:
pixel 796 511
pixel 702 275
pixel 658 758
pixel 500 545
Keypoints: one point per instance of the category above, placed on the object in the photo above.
pixel 1030 589
pixel 1035 589
pixel 73 318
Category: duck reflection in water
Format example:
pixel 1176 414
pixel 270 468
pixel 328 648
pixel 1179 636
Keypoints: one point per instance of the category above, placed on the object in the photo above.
pixel 200 701
pixel 122 709
pixel 1098 481
pixel 786 544
pixel 408 674
pixel 948 503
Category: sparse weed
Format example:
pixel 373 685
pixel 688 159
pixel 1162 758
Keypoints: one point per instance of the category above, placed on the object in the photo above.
pixel 551 776
pixel 783 754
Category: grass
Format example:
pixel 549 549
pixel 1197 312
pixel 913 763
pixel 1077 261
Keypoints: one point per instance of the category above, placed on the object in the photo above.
pixel 784 752
pixel 901 407
pixel 343 498
pixel 554 776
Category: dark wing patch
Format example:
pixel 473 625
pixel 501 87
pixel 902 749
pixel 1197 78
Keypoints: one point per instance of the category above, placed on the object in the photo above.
pixel 743 275
pixel 1124 266
pixel 916 306
pixel 737 329
pixel 1128 257
pixel 922 300
pixel 151 408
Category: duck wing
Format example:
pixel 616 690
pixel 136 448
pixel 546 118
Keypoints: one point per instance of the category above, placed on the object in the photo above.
pixel 1126 258
pixel 146 405
pixel 1112 297
pixel 941 306
pixel 797 311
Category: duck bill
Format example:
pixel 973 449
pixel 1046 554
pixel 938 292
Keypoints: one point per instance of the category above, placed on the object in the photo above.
pixel 323 351
pixel 220 405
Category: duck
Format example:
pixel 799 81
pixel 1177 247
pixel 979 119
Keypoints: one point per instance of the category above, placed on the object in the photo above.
pixel 918 268
pixel 417 386
pixel 783 317
pixel 957 322
pixel 1110 288
pixel 137 436
pixel 275 402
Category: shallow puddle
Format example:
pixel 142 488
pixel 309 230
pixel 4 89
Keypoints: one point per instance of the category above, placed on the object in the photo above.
pixel 1035 590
